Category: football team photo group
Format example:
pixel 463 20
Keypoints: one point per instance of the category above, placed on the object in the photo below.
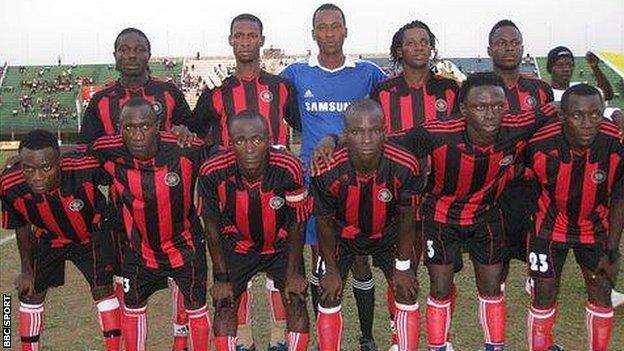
pixel 322 179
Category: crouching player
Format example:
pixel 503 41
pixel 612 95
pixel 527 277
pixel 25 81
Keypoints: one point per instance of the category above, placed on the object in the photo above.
pixel 155 179
pixel 365 200
pixel 579 164
pixel 58 213
pixel 254 205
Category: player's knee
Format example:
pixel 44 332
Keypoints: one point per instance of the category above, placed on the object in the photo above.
pixel 361 269
pixel 298 320
pixel 100 292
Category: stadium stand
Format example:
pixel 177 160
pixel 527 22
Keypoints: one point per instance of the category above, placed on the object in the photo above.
pixel 45 96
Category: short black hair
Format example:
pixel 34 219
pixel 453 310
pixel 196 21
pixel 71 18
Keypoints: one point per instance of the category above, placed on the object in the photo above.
pixel 478 80
pixel 248 116
pixel 557 53
pixel 578 89
pixel 133 30
pixel 499 25
pixel 329 7
pixel 397 39
pixel 364 106
pixel 137 101
pixel 246 17
pixel 38 139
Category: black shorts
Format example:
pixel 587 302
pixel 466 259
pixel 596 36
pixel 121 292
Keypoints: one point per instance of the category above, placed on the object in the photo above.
pixel 140 283
pixel 119 244
pixel 546 257
pixel 443 242
pixel 243 267
pixel 382 251
pixel 518 203
pixel 93 259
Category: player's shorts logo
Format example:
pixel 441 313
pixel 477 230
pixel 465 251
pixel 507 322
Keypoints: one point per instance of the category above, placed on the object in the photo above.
pixel 276 202
pixel 530 101
pixel 266 96
pixel 441 105
pixel 598 176
pixel 384 195
pixel 157 106
pixel 172 179
pixel 76 205
pixel 506 161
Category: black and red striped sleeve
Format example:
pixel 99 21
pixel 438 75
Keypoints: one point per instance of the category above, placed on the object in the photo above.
pixel 92 127
pixel 296 194
pixel 418 141
pixel 204 118
pixel 618 183
pixel 181 112
pixel 325 202
pixel 11 218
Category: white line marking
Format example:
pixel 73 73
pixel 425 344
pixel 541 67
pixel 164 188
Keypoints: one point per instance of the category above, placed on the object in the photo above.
pixel 7 239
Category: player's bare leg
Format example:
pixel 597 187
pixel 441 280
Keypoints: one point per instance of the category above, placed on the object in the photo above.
pixel 542 314
pixel 492 306
pixel 244 332
pixel 225 325
pixel 438 314
pixel 298 323
pixel 599 311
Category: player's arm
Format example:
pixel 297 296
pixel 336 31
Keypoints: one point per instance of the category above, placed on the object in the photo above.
pixel 601 80
pixel 221 291
pixel 181 114
pixel 616 222
pixel 92 127
pixel 324 209
pixel 25 281
pixel 292 115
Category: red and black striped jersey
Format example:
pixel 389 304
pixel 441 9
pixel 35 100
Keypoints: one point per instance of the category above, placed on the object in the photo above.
pixel 269 95
pixel 254 216
pixel 527 94
pixel 466 180
pixel 102 114
pixel 406 106
pixel 366 207
pixel 155 198
pixel 577 185
pixel 70 213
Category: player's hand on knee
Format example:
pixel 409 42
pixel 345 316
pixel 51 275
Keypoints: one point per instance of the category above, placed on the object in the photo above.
pixel 296 287
pixel 608 267
pixel 322 154
pixel 222 294
pixel 25 284
pixel 331 287
pixel 184 136
pixel 405 286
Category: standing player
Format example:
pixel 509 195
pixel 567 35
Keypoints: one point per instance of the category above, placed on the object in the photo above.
pixel 155 181
pixel 414 96
pixel 132 54
pixel 254 204
pixel 579 164
pixel 326 84
pixel 253 89
pixel 59 214
pixel 523 93
pixel 365 201
pixel 472 160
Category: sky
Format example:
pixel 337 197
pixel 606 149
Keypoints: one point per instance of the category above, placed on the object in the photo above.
pixel 38 31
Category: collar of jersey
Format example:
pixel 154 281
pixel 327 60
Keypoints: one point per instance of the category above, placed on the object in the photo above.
pixel 314 62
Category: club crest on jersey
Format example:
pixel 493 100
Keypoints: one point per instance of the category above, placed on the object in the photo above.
pixel 76 205
pixel 441 105
pixel 172 179
pixel 266 96
pixel 598 176
pixel 506 161
pixel 276 202
pixel 157 106
pixel 530 101
pixel 384 195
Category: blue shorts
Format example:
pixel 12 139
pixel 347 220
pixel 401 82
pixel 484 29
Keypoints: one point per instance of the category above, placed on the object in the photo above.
pixel 311 235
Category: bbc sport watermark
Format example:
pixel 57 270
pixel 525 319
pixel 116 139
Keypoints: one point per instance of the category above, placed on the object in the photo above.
pixel 6 321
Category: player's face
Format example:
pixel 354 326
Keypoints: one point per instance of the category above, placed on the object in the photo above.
pixel 139 130
pixel 250 142
pixel 484 108
pixel 582 119
pixel 329 31
pixel 131 55
pixel 41 168
pixel 246 41
pixel 364 137
pixel 562 69
pixel 506 48
pixel 416 50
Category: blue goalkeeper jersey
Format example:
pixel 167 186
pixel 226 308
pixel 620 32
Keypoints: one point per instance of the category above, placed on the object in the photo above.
pixel 323 95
